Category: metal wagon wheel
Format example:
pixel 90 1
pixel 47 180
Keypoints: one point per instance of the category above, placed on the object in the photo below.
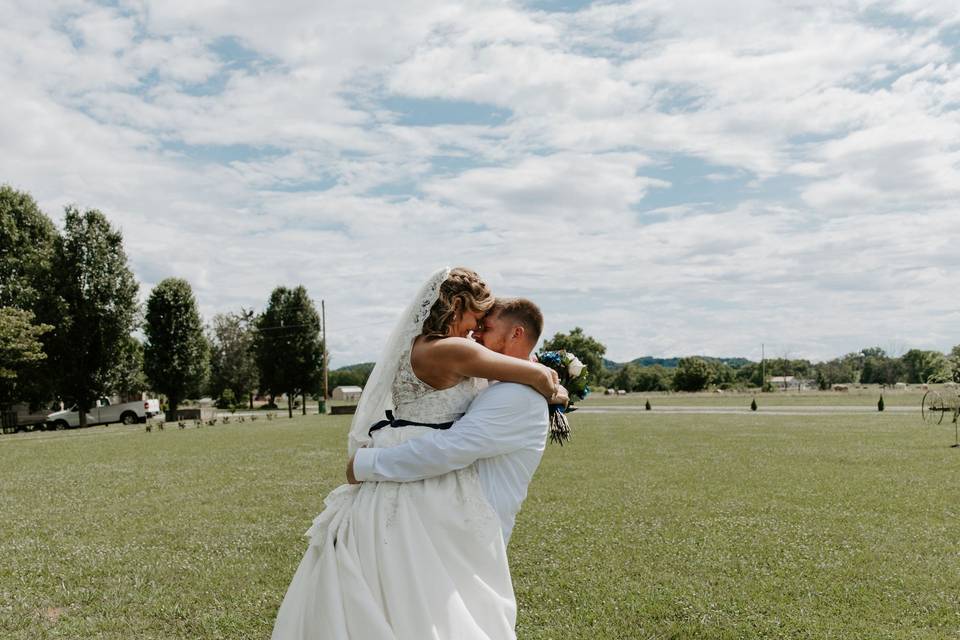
pixel 932 407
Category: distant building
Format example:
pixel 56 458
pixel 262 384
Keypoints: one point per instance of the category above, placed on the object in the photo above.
pixel 790 383
pixel 347 393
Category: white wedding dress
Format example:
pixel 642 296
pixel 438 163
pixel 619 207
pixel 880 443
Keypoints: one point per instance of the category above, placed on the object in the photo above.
pixel 405 561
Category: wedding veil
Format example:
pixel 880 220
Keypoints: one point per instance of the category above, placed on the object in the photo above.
pixel 377 395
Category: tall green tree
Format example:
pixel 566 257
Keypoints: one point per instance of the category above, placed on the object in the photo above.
pixel 27 238
pixel 721 374
pixel 625 378
pixel 98 304
pixel 879 368
pixel 288 346
pixel 589 350
pixel 692 374
pixel 20 349
pixel 129 379
pixel 836 371
pixel 954 362
pixel 175 355
pixel 926 366
pixel 232 362
pixel 655 378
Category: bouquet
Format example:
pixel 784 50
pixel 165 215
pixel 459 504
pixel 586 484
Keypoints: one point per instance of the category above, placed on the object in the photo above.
pixel 573 376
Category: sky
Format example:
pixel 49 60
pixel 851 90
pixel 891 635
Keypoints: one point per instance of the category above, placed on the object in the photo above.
pixel 676 177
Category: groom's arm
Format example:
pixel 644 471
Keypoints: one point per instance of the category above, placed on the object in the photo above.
pixel 505 418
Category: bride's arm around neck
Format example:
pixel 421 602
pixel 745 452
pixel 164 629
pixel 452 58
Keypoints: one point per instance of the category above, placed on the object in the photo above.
pixel 442 363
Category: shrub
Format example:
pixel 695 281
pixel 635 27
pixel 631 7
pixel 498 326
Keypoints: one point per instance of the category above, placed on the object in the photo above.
pixel 227 400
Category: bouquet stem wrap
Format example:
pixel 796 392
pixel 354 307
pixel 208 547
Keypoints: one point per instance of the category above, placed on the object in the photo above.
pixel 559 425
pixel 573 376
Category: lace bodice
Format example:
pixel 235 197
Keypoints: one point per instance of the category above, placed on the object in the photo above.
pixel 415 400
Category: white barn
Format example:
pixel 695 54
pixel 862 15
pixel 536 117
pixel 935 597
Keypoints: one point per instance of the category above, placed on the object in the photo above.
pixel 347 393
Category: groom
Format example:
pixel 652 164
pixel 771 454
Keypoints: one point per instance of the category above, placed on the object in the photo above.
pixel 504 431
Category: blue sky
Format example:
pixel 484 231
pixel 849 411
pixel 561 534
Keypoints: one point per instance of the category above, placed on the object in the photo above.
pixel 675 177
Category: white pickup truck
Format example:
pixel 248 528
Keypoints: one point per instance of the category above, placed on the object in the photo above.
pixel 104 413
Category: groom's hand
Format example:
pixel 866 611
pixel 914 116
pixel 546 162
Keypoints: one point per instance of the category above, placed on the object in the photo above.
pixel 352 479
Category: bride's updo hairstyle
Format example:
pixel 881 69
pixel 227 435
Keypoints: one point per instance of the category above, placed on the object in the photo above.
pixel 462 290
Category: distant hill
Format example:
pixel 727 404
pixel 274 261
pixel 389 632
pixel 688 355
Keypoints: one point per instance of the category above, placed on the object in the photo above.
pixel 365 367
pixel 351 375
pixel 671 363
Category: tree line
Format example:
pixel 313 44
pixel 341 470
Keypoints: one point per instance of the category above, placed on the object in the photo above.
pixel 868 366
pixel 70 320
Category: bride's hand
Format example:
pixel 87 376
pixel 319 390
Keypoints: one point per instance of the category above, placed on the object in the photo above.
pixel 561 397
pixel 549 383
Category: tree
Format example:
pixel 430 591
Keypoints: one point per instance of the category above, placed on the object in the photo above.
pixel 926 366
pixel 954 362
pixel 27 238
pixel 98 302
pixel 232 362
pixel 20 348
pixel 353 375
pixel 750 374
pixel 873 352
pixel 878 368
pixel 721 374
pixel 655 378
pixel 589 350
pixel 288 348
pixel 692 374
pixel 836 371
pixel 625 378
pixel 787 367
pixel 175 355
pixel 130 380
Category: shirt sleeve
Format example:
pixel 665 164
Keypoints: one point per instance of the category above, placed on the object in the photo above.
pixel 504 418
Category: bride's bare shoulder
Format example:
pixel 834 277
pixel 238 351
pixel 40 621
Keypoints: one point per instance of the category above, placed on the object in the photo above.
pixel 443 348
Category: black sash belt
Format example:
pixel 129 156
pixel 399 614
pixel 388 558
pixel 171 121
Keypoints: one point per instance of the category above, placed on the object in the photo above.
pixel 393 422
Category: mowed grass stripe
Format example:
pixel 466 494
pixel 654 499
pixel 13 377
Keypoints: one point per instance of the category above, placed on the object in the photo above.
pixel 685 526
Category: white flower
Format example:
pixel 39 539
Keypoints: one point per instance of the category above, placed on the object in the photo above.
pixel 575 367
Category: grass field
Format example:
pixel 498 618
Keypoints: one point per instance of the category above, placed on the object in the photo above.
pixel 859 397
pixel 645 526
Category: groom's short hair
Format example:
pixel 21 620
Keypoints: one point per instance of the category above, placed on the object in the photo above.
pixel 523 312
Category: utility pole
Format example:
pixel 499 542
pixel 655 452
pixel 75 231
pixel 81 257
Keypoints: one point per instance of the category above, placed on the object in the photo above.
pixel 763 367
pixel 323 321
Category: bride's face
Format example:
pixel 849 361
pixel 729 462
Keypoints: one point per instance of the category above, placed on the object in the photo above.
pixel 467 322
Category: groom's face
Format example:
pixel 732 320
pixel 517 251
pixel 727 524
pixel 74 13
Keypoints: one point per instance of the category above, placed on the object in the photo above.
pixel 493 332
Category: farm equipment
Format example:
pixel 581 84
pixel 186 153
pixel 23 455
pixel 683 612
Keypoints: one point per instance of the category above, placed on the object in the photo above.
pixel 934 408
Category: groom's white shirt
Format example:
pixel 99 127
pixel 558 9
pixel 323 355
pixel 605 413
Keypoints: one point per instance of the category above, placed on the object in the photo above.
pixel 504 431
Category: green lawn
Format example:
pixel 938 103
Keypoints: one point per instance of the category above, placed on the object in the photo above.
pixel 645 526
pixel 860 397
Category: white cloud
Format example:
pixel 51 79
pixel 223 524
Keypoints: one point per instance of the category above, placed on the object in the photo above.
pixel 675 177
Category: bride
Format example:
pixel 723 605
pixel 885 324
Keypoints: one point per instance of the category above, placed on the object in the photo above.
pixel 416 560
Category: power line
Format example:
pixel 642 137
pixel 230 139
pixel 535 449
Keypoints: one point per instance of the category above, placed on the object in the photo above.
pixel 285 326
pixel 300 326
